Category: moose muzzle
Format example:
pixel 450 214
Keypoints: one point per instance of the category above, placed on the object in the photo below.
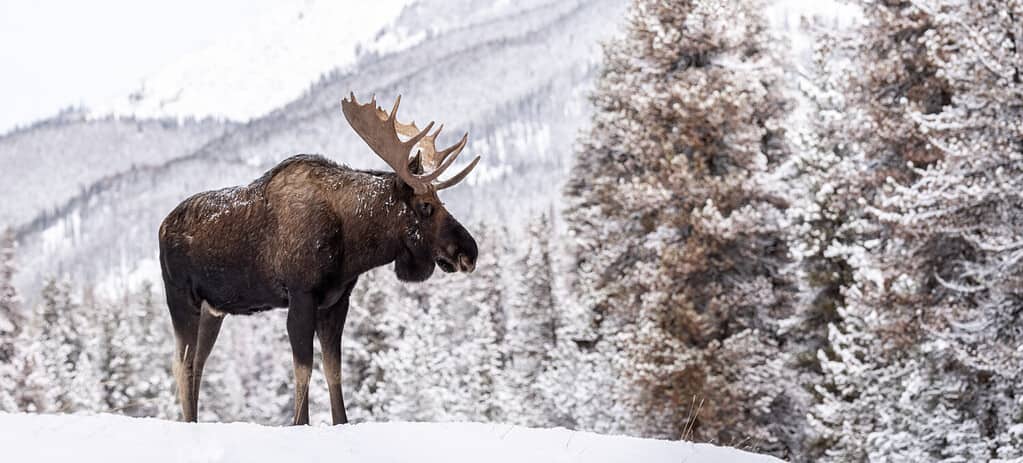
pixel 460 252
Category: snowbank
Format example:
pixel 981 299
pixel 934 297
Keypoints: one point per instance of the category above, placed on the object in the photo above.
pixel 110 438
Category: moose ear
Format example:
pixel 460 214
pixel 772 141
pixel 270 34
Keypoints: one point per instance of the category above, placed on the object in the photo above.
pixel 415 165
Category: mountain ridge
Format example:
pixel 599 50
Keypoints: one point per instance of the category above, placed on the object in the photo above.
pixel 524 127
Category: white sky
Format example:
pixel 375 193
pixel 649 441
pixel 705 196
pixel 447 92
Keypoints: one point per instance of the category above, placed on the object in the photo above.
pixel 57 53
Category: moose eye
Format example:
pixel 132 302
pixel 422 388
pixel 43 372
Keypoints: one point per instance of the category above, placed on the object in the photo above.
pixel 425 209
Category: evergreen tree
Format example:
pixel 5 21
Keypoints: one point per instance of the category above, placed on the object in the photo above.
pixel 532 329
pixel 11 325
pixel 65 352
pixel 134 356
pixel 442 359
pixel 918 367
pixel 480 300
pixel 419 365
pixel 118 369
pixel 261 357
pixel 679 228
pixel 369 332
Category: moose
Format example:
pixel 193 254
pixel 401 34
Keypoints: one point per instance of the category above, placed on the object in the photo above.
pixel 299 236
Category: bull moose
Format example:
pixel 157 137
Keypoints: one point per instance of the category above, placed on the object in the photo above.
pixel 299 237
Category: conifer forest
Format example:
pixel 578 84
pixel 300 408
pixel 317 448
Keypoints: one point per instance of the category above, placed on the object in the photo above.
pixel 701 220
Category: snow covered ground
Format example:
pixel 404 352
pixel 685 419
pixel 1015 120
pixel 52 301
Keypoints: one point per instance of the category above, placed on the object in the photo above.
pixel 111 438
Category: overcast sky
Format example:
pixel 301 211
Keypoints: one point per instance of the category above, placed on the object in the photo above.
pixel 56 53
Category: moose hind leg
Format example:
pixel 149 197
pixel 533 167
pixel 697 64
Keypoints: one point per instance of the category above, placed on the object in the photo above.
pixel 209 328
pixel 185 318
pixel 301 330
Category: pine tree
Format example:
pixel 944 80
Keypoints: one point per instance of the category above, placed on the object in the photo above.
pixel 133 357
pixel 66 352
pixel 156 380
pixel 479 349
pixel 262 359
pixel 418 366
pixel 368 334
pixel 919 367
pixel 679 228
pixel 12 323
pixel 433 350
pixel 532 329
pixel 118 336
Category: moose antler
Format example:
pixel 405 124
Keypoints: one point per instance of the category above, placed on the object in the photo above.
pixel 380 131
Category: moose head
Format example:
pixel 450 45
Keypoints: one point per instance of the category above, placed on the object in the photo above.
pixel 431 235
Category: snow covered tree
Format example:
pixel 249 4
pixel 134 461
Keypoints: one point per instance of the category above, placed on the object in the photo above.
pixel 65 352
pixel 531 329
pixel 679 226
pixel 118 338
pixel 134 356
pixel 827 175
pixel 418 365
pixel 482 299
pixel 431 351
pixel 833 185
pixel 261 358
pixel 923 363
pixel 368 334
pixel 11 319
pixel 11 325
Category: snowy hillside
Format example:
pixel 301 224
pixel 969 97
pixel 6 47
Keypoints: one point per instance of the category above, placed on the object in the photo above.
pixel 288 48
pixel 275 58
pixel 107 438
pixel 515 78
pixel 49 165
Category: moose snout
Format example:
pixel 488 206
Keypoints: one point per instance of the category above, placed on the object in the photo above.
pixel 466 264
pixel 456 259
pixel 460 253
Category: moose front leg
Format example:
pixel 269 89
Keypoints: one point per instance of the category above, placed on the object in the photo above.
pixel 301 329
pixel 329 326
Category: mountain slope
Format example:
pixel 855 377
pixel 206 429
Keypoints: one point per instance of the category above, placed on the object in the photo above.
pixel 267 63
pixel 48 164
pixel 273 60
pixel 516 81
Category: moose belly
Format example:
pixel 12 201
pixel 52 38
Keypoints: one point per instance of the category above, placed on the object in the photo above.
pixel 239 293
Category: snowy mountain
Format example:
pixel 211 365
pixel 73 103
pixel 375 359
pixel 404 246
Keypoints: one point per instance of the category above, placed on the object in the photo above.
pixel 272 61
pixel 269 62
pixel 514 76
pixel 105 438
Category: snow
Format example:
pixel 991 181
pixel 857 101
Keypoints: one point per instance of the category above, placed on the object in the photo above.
pixel 268 63
pixel 106 438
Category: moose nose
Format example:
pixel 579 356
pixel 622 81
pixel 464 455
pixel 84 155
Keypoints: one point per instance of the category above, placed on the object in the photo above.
pixel 466 264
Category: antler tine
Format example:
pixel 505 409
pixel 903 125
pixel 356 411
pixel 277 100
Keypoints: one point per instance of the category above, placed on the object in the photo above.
pixel 456 149
pixel 438 170
pixel 419 136
pixel 458 177
pixel 394 110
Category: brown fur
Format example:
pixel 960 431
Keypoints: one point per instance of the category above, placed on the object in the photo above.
pixel 297 237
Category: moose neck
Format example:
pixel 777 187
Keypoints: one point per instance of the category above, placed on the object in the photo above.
pixel 373 219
